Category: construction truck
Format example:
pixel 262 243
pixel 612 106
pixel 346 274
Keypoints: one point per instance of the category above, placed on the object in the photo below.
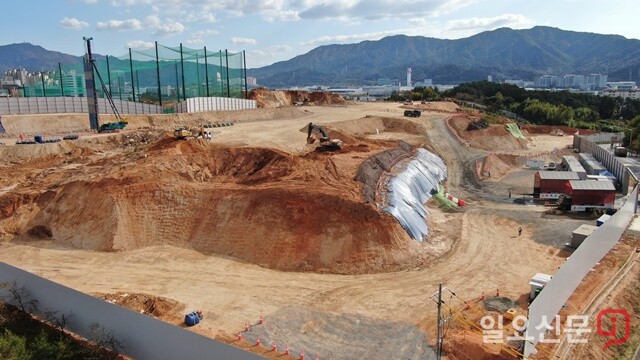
pixel 325 142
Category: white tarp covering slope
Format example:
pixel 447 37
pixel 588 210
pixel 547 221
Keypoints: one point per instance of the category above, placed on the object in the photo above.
pixel 409 190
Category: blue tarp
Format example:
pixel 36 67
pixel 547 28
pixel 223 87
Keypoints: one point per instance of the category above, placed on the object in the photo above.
pixel 410 189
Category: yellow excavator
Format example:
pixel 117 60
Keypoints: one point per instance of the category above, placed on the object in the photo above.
pixel 184 133
pixel 326 143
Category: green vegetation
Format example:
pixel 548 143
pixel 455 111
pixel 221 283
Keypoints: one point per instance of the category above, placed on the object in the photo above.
pixel 23 337
pixel 419 93
pixel 550 107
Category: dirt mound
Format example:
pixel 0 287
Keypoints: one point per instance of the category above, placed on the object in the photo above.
pixel 370 125
pixel 266 98
pixel 326 98
pixel 155 306
pixel 498 165
pixel 494 138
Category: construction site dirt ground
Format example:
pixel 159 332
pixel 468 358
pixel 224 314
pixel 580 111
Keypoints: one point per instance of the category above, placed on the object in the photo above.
pixel 255 223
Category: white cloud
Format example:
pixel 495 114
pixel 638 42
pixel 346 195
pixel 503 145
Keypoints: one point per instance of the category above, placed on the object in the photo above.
pixel 169 29
pixel 90 1
pixel 73 23
pixel 243 41
pixel 129 24
pixel 505 20
pixel 379 9
pixel 140 44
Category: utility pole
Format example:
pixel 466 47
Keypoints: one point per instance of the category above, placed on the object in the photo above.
pixel 439 333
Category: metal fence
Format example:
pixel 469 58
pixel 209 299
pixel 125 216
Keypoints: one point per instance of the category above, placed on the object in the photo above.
pixel 615 165
pixel 141 336
pixel 61 105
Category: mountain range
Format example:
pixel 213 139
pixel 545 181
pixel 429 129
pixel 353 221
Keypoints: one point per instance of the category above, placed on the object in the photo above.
pixel 502 53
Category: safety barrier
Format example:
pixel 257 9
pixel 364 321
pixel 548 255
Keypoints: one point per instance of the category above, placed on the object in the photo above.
pixel 141 336
pixel 200 104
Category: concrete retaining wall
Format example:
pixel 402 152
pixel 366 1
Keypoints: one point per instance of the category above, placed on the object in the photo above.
pixel 201 104
pixel 142 336
pixel 63 105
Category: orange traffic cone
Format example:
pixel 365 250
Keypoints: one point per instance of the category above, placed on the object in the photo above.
pixel 302 355
pixel 258 341
pixel 239 337
pixel 482 296
pixel 261 321
pixel 274 347
pixel 246 326
pixel 286 349
pixel 498 292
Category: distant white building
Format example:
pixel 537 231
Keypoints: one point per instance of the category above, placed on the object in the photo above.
pixel 519 83
pixel 623 93
pixel 622 85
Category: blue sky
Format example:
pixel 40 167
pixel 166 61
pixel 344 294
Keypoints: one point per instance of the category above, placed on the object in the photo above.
pixel 275 30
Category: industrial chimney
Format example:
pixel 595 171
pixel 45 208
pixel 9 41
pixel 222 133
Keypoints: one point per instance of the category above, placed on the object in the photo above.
pixel 409 77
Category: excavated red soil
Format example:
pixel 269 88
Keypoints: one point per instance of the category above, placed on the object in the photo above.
pixel 266 98
pixel 494 138
pixel 259 205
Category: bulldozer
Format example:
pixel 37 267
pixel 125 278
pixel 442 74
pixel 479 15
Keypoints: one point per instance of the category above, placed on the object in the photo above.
pixel 325 142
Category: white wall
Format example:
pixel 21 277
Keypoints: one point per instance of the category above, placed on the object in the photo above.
pixel 142 336
pixel 201 104
pixel 556 293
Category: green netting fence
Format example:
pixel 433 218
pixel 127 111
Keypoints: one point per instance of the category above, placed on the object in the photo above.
pixel 160 75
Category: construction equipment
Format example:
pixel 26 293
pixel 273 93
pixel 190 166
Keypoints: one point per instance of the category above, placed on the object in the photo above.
pixel 184 133
pixel 326 143
pixel 412 113
pixel 93 110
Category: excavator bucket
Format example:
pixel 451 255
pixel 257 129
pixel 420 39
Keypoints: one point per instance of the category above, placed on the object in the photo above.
pixel 311 140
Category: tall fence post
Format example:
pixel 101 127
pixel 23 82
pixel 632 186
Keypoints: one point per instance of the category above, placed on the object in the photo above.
pixel 226 55
pixel 184 89
pixel 133 88
pixel 206 70
pixel 158 73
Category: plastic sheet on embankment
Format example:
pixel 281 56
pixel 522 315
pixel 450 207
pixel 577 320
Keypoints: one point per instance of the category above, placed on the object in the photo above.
pixel 409 190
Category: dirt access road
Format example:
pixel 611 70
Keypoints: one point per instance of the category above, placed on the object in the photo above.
pixel 480 251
